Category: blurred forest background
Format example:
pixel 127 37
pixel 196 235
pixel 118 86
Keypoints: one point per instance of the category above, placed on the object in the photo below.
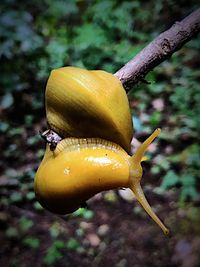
pixel 38 36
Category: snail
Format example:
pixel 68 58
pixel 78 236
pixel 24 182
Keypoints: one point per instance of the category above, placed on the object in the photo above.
pixel 90 110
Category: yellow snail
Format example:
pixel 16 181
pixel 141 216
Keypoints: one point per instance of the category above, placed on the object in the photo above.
pixel 90 158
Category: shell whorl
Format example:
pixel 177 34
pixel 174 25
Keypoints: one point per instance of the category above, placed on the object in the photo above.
pixel 86 104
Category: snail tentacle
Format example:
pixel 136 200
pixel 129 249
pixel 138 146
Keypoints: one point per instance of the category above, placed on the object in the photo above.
pixel 136 175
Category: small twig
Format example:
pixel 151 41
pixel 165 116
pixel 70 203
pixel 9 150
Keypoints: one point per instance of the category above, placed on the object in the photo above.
pixel 159 50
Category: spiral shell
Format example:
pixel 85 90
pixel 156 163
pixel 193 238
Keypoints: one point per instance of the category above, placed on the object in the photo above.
pixel 82 104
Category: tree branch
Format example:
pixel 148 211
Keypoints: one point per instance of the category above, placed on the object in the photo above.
pixel 159 50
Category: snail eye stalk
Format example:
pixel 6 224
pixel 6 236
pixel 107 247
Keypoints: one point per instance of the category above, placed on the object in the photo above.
pixel 136 175
pixel 137 157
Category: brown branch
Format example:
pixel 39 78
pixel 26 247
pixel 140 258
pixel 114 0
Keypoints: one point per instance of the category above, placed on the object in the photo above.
pixel 159 50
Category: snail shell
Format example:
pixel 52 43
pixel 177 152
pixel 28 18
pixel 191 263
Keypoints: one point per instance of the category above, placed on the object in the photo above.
pixel 82 103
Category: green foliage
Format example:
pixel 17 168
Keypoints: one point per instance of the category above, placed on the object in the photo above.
pixel 73 244
pixel 31 242
pixel 54 253
pixel 55 230
pixel 12 232
pixel 21 229
pixel 25 224
pixel 84 213
pixel 16 197
pixel 7 101
pixel 170 180
pixel 37 207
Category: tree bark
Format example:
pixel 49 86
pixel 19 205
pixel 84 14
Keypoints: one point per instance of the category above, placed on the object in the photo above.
pixel 159 50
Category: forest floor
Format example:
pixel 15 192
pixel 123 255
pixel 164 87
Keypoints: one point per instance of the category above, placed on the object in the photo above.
pixel 114 233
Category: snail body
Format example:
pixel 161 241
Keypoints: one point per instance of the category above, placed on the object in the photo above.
pixel 80 168
pixel 89 109
pixel 77 170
